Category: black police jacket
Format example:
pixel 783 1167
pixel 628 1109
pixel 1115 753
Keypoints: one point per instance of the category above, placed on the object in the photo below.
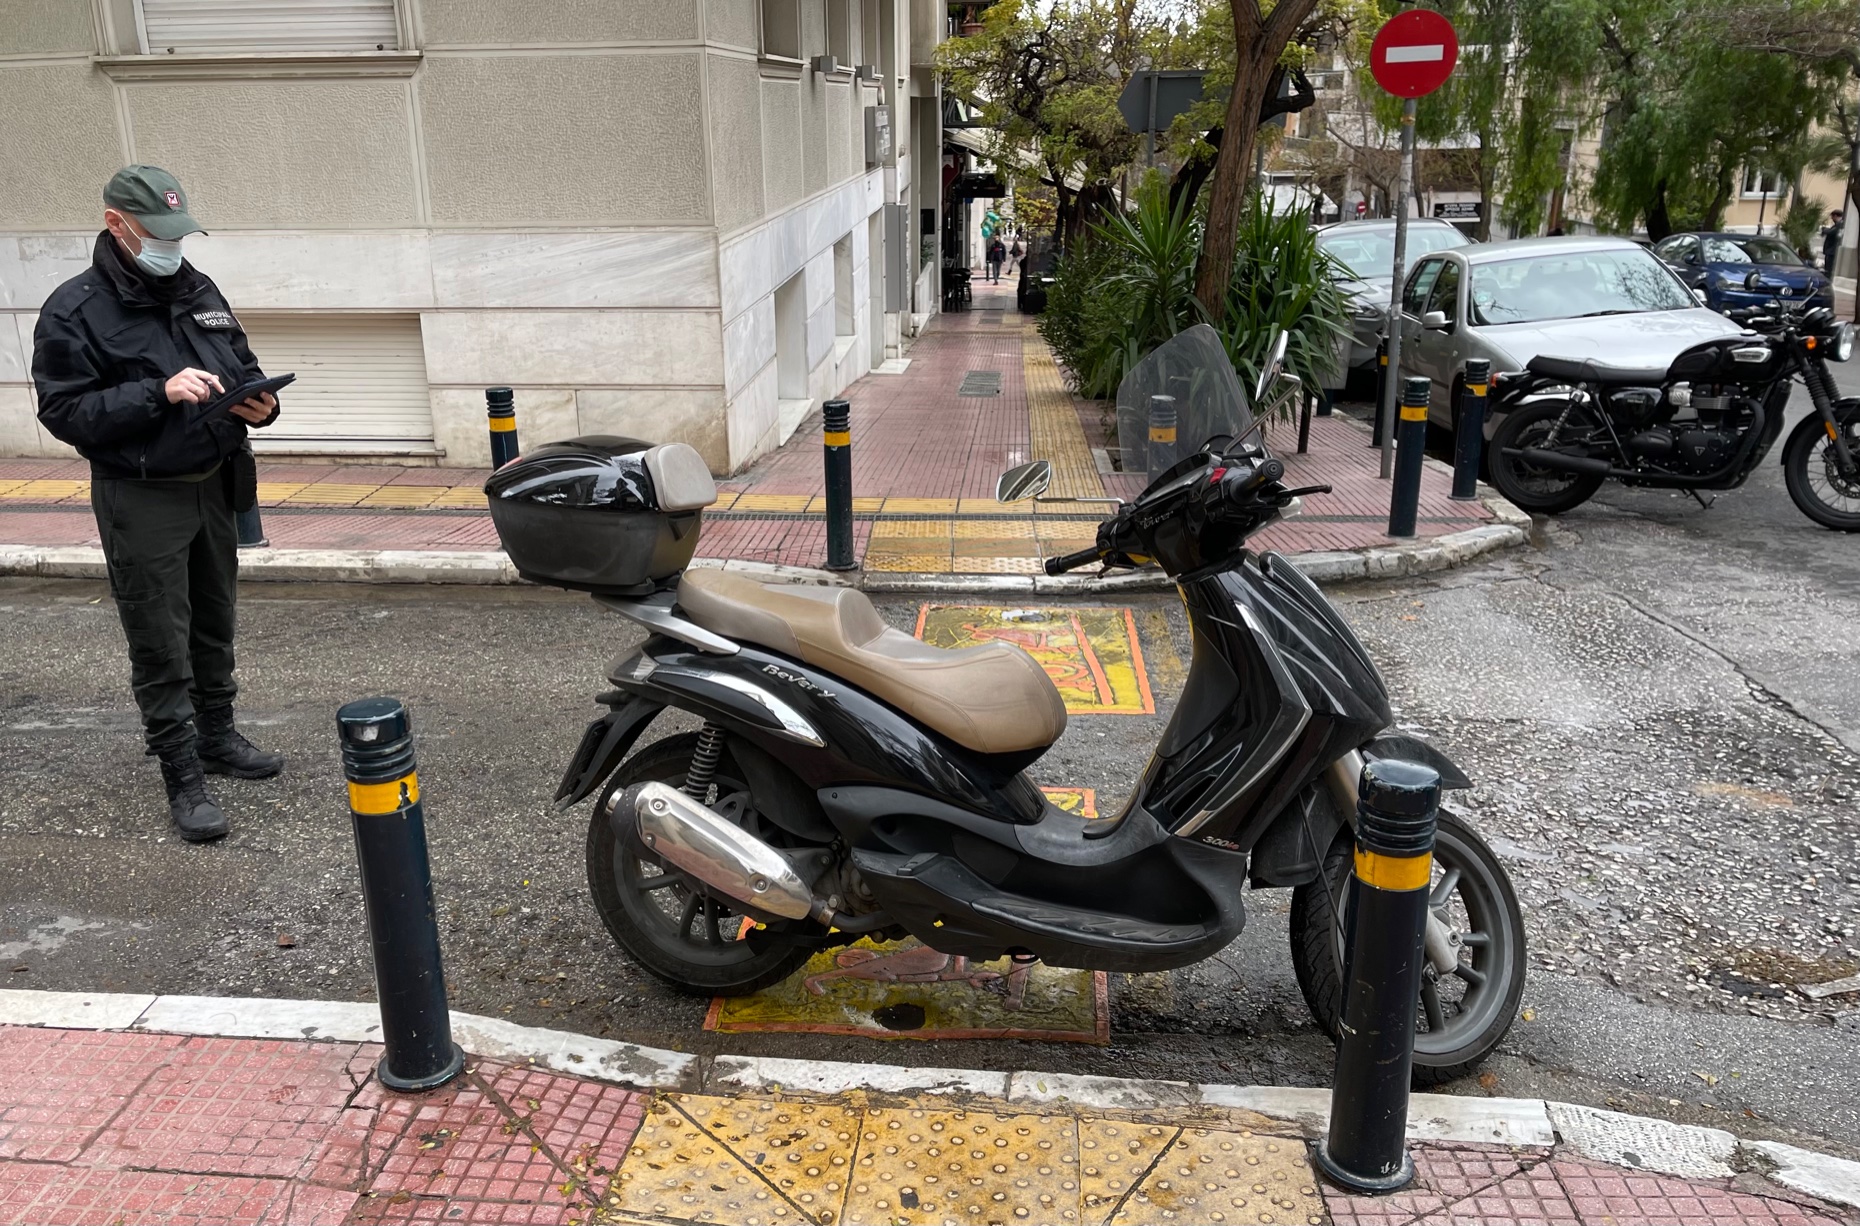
pixel 107 342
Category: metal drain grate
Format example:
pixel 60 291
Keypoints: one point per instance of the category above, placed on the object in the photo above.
pixel 980 383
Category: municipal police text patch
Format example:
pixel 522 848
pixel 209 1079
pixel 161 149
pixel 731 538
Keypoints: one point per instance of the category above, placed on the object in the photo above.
pixel 215 319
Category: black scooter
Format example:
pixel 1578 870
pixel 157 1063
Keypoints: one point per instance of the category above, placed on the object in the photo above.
pixel 848 780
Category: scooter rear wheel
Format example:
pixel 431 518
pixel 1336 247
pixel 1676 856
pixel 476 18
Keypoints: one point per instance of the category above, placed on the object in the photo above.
pixel 690 938
pixel 1461 1016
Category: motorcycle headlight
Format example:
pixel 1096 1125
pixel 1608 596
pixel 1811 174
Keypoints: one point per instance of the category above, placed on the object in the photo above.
pixel 1843 342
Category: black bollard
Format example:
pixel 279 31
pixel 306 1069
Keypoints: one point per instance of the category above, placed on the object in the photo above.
pixel 1324 403
pixel 1410 441
pixel 1382 380
pixel 250 529
pixel 1366 1149
pixel 1162 433
pixel 397 891
pixel 500 407
pixel 836 434
pixel 1304 424
pixel 1469 434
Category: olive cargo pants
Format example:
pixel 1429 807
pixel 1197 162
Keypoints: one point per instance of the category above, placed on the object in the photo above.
pixel 172 551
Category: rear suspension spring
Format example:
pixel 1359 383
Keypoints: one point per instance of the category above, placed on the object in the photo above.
pixel 704 763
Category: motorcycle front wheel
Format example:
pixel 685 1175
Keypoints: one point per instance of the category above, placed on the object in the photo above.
pixel 1811 470
pixel 1460 1016
pixel 674 927
pixel 1540 491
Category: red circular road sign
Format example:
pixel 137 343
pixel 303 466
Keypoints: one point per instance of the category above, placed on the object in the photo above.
pixel 1414 53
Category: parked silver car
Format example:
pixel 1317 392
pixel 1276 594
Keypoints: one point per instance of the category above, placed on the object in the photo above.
pixel 1367 250
pixel 1609 299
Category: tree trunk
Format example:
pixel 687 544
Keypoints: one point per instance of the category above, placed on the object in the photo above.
pixel 1487 173
pixel 1659 223
pixel 1189 176
pixel 1714 213
pixel 1233 174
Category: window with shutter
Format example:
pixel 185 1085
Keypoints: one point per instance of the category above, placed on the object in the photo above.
pixel 182 26
pixel 361 384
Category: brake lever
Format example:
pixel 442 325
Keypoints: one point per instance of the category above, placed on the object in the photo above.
pixel 1302 490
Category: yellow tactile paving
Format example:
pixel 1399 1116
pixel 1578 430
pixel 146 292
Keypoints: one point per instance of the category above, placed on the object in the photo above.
pixel 771 502
pixel 1091 653
pixel 7 487
pixel 844 1161
pixel 920 506
pixel 963 1166
pixel 675 1169
pixel 468 496
pixel 405 496
pixel 331 494
pixel 277 491
pixel 868 506
pixel 1209 1175
pixel 46 490
pixel 804 1149
pixel 1113 1155
pixel 725 500
pixel 988 506
pixel 992 529
pixel 909 563
pixel 1054 425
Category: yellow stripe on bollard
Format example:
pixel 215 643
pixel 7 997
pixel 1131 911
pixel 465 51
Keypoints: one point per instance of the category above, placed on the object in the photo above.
pixel 1162 434
pixel 380 799
pixel 1414 412
pixel 501 425
pixel 837 438
pixel 1393 872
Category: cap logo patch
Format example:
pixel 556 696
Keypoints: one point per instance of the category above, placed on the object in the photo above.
pixel 173 199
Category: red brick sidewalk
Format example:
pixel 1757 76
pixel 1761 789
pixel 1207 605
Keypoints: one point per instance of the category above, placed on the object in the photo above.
pixel 112 1127
pixel 925 460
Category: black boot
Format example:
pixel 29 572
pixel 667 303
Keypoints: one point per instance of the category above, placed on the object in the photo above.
pixel 224 752
pixel 195 815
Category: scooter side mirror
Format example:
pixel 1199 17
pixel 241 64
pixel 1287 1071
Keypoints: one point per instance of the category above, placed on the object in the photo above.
pixel 1024 481
pixel 1274 361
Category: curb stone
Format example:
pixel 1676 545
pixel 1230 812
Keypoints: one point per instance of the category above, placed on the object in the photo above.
pixel 1682 1150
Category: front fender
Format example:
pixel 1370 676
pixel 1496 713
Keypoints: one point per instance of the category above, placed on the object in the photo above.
pixel 606 741
pixel 1392 745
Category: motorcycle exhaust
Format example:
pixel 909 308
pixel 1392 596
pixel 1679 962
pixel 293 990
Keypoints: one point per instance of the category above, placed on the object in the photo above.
pixel 710 847
pixel 1564 463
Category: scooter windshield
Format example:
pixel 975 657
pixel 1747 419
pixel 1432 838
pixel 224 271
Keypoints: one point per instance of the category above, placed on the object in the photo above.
pixel 1192 368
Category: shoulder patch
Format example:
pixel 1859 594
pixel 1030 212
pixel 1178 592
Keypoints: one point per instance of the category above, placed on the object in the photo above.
pixel 215 319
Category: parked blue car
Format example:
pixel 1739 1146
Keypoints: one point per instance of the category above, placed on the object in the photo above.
pixel 1743 270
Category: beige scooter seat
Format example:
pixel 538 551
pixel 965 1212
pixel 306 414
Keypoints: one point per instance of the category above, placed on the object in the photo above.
pixel 992 699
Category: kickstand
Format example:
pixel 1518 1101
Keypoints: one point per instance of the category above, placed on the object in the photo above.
pixel 1704 502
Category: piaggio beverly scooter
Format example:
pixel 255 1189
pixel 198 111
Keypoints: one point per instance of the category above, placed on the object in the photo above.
pixel 849 780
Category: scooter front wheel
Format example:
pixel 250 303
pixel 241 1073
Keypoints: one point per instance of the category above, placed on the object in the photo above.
pixel 683 934
pixel 1461 1015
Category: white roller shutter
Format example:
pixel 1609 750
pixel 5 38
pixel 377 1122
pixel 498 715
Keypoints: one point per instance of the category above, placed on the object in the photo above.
pixel 268 25
pixel 361 384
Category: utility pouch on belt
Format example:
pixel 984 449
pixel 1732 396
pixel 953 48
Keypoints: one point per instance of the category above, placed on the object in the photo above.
pixel 242 472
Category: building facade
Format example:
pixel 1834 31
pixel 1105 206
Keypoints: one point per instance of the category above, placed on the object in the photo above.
pixel 681 220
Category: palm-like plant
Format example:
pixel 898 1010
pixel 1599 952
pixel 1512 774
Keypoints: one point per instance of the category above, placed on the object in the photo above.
pixel 1283 281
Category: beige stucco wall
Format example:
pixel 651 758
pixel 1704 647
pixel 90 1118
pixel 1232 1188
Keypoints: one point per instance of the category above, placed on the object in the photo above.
pixel 736 152
pixel 324 154
pixel 784 176
pixel 502 23
pixel 564 139
pixel 58 145
pixel 41 26
pixel 731 23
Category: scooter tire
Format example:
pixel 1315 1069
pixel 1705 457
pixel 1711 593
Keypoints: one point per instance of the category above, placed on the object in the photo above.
pixel 1317 949
pixel 735 964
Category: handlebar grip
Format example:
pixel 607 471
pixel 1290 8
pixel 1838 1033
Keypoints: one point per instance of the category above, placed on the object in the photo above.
pixel 1239 484
pixel 1071 561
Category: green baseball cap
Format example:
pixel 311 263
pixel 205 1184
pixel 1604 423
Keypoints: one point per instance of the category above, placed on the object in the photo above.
pixel 153 197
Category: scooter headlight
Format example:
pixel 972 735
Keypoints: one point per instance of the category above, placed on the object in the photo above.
pixel 1843 343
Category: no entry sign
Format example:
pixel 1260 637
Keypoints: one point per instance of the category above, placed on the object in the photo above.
pixel 1414 53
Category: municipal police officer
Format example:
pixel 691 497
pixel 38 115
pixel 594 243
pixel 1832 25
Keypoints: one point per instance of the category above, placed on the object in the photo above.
pixel 128 355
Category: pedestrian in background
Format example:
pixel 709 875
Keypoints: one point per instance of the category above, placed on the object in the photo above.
pixel 1016 254
pixel 1831 241
pixel 997 255
pixel 125 355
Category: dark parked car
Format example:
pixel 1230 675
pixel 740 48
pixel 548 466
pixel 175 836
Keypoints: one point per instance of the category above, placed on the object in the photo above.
pixel 1743 270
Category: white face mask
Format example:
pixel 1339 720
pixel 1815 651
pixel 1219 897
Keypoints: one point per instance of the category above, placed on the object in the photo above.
pixel 160 257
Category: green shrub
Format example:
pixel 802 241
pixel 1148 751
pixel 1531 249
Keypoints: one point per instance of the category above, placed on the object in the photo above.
pixel 1129 286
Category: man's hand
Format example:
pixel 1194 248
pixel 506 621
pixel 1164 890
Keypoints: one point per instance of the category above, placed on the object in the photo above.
pixel 257 408
pixel 193 386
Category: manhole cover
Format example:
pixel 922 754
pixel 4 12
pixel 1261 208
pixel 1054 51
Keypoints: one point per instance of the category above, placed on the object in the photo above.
pixel 980 383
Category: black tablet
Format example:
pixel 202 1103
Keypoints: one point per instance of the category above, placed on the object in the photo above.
pixel 239 395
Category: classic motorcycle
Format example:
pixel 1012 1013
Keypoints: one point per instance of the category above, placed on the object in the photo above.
pixel 848 780
pixel 1703 423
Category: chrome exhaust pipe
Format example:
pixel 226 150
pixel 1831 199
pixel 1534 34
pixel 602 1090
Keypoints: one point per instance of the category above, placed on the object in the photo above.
pixel 710 847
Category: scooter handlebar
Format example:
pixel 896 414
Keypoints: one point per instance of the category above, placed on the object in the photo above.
pixel 1072 561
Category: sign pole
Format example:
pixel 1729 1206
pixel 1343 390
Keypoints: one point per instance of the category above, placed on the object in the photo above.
pixel 1404 185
